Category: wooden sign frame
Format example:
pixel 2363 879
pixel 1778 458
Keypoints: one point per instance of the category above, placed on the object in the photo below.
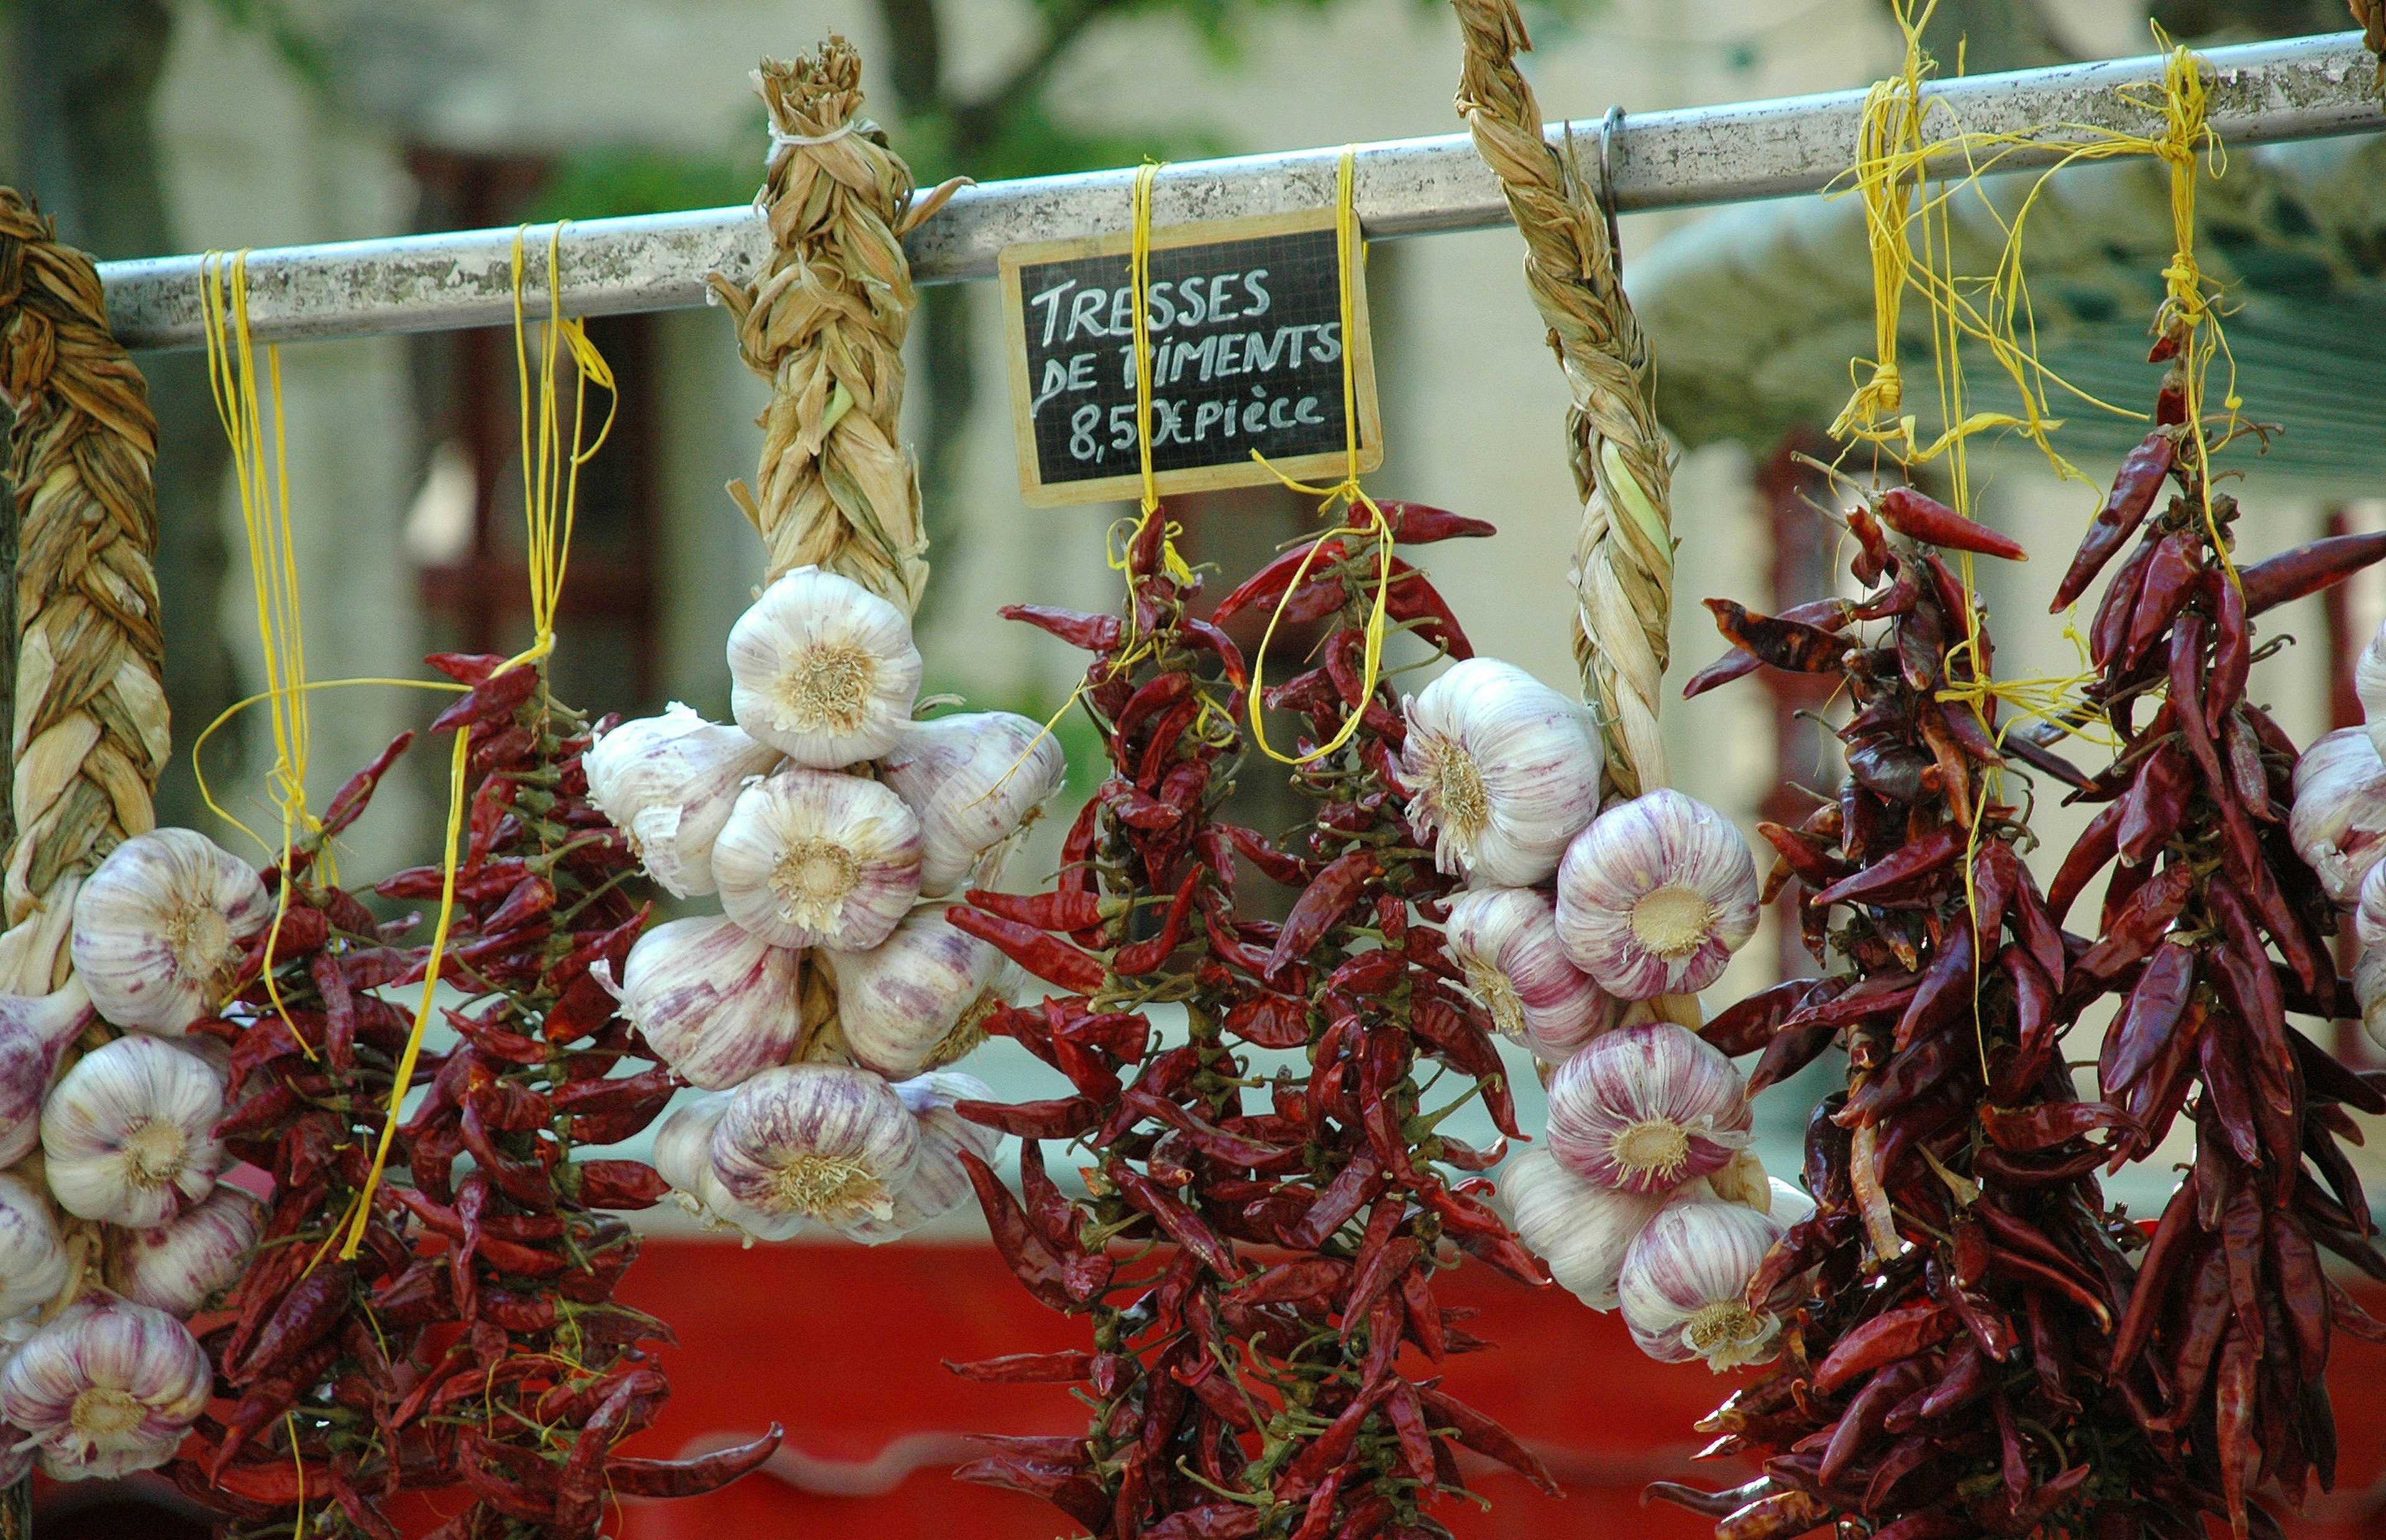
pixel 1326 466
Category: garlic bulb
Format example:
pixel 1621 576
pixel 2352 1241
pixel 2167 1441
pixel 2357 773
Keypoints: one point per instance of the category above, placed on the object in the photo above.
pixel 1501 770
pixel 716 1003
pixel 130 1134
pixel 1655 898
pixel 33 1031
pixel 1581 1230
pixel 1507 941
pixel 822 670
pixel 826 1142
pixel 34 1263
pixel 938 1184
pixel 2369 685
pixel 668 784
pixel 181 1265
pixel 917 1000
pixel 1685 1280
pixel 977 780
pixel 2369 989
pixel 682 1157
pixel 2369 909
pixel 1742 1179
pixel 811 859
pixel 107 1388
pixel 158 929
pixel 2340 813
pixel 1647 1109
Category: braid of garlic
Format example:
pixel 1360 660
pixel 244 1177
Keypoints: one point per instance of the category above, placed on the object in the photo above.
pixel 1624 561
pixel 90 725
pixel 824 321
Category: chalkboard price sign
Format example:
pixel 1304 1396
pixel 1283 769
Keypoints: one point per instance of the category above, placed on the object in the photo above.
pixel 1244 318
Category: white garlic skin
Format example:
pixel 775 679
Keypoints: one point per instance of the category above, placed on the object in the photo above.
pixel 1507 941
pixel 1655 897
pixel 107 1388
pixel 130 1134
pixel 2369 989
pixel 2369 685
pixel 161 926
pixel 1581 1230
pixel 33 1262
pixel 939 1182
pixel 1500 771
pixel 716 1003
pixel 668 783
pixel 822 671
pixel 976 781
pixel 2338 824
pixel 181 1265
pixel 33 1031
pixel 826 1142
pixel 1647 1109
pixel 2369 909
pixel 1683 1281
pixel 813 859
pixel 914 1001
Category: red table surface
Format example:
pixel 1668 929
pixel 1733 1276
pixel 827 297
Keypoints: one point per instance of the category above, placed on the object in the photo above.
pixel 842 1345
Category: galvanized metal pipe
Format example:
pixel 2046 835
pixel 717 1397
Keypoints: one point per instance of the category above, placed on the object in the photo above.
pixel 2307 88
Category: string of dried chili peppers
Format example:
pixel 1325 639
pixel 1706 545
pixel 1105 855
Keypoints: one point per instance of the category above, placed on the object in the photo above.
pixel 473 1342
pixel 2213 931
pixel 1236 1398
pixel 1950 1304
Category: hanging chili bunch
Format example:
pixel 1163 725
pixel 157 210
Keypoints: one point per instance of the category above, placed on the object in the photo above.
pixel 1235 1397
pixel 2213 931
pixel 1950 1304
pixel 471 1341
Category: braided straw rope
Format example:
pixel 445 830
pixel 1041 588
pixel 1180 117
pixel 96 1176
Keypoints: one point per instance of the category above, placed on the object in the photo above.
pixel 824 323
pixel 1624 561
pixel 91 732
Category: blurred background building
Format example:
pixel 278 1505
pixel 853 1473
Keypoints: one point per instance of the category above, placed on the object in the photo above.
pixel 153 126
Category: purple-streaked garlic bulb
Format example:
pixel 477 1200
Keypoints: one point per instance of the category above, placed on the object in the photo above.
pixel 34 1029
pixel 919 998
pixel 825 1142
pixel 682 1157
pixel 717 1003
pixel 813 858
pixel 668 783
pixel 1580 1229
pixel 1507 941
pixel 161 927
pixel 1647 1109
pixel 1684 1284
pixel 1655 898
pixel 181 1265
pixel 2338 824
pixel 1500 771
pixel 977 780
pixel 822 671
pixel 938 1184
pixel 107 1388
pixel 33 1262
pixel 129 1133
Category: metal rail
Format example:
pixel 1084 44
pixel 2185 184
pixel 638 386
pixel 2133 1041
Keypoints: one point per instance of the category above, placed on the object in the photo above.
pixel 2307 88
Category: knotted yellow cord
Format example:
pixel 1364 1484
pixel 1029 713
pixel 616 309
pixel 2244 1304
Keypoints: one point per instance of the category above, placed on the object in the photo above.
pixel 263 479
pixel 1346 492
pixel 550 497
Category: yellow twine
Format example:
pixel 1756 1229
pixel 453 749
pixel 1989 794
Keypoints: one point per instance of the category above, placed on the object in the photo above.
pixel 264 484
pixel 1347 493
pixel 550 499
